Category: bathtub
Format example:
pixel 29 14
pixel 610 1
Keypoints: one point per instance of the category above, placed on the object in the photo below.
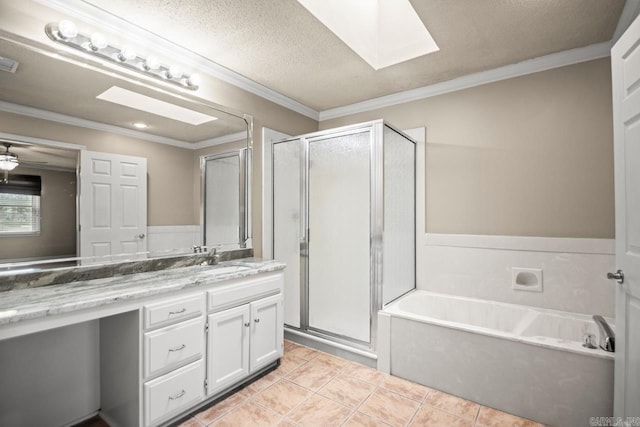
pixel 523 360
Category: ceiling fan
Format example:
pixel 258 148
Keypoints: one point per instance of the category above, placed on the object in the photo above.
pixel 9 161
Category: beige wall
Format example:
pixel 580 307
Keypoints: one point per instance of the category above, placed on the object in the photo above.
pixel 57 223
pixel 529 156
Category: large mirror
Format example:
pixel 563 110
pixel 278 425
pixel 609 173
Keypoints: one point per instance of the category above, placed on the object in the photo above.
pixel 100 152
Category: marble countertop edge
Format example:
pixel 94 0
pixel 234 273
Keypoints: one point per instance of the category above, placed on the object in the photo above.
pixel 28 304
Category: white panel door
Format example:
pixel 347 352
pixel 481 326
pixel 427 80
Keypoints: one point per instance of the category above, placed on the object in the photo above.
pixel 267 330
pixel 113 204
pixel 228 347
pixel 625 60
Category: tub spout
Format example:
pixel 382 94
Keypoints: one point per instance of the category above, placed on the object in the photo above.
pixel 607 336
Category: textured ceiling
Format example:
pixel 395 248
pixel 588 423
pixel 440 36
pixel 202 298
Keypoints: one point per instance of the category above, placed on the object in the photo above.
pixel 279 44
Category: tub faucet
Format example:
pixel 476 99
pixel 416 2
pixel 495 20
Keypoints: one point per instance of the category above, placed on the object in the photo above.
pixel 607 336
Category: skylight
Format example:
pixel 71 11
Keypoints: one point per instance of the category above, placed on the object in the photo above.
pixel 382 32
pixel 130 99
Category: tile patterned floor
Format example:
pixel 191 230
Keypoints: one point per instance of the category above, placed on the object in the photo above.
pixel 311 388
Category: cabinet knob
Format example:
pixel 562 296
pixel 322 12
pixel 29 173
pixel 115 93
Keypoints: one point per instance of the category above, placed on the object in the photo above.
pixel 256 320
pixel 247 324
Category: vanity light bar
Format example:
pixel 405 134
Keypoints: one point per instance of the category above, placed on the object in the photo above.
pixel 96 44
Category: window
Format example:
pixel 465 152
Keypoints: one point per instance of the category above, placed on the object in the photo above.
pixel 19 214
pixel 20 205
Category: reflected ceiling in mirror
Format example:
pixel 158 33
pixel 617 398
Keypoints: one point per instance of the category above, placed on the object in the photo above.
pixel 59 85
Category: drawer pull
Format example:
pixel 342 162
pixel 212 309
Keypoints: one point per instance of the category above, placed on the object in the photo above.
pixel 256 320
pixel 178 396
pixel 178 348
pixel 171 313
pixel 247 324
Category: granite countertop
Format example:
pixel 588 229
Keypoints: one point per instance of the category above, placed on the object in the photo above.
pixel 25 304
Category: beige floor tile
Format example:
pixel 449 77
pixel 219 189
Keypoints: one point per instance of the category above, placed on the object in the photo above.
pixel 359 419
pixel 453 404
pixel 192 422
pixel 389 407
pixel 312 376
pixel 282 396
pixel 489 417
pixel 305 353
pixel 249 415
pixel 319 411
pixel 364 373
pixel 405 388
pixel 331 361
pixel 262 383
pixel 289 363
pixel 349 391
pixel 209 415
pixel 289 344
pixel 430 416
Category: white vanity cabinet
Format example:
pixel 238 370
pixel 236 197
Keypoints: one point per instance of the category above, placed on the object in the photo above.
pixel 173 356
pixel 139 360
pixel 246 337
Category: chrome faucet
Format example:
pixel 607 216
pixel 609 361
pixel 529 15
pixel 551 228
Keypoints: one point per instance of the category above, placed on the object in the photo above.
pixel 213 256
pixel 607 336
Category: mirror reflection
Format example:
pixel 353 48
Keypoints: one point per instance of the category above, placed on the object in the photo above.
pixel 99 153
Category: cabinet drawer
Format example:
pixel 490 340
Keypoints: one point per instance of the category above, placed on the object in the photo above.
pixel 175 310
pixel 175 345
pixel 170 394
pixel 240 293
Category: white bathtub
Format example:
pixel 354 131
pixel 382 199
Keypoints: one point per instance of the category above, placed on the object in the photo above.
pixel 519 359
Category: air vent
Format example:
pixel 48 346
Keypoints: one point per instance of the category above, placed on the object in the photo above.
pixel 8 65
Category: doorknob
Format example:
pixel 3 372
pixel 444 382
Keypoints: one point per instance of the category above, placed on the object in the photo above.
pixel 618 276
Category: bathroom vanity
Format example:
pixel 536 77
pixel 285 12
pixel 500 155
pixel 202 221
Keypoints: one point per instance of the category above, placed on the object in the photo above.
pixel 141 349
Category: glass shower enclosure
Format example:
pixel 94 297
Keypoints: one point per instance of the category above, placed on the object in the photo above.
pixel 344 222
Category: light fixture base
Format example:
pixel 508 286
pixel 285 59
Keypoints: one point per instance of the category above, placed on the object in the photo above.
pixel 124 57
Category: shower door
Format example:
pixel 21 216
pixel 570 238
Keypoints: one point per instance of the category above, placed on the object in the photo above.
pixel 344 223
pixel 338 239
pixel 321 229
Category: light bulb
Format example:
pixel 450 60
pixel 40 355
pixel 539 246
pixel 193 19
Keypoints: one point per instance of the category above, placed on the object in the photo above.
pixel 67 29
pixel 193 80
pixel 98 41
pixel 174 72
pixel 126 54
pixel 151 63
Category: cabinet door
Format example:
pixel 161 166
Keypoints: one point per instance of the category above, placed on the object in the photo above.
pixel 228 348
pixel 267 330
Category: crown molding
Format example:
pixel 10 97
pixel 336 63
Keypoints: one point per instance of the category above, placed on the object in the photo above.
pixel 543 63
pixel 93 15
pixel 89 124
pixel 42 141
pixel 629 13
pixel 234 137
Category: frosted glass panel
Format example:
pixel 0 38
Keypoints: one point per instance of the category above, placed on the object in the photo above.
pixel 339 189
pixel 286 223
pixel 222 200
pixel 398 259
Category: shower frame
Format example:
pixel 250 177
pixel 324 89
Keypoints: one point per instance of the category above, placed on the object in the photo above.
pixel 376 225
